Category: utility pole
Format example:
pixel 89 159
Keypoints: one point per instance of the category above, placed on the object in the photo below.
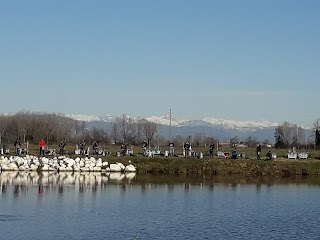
pixel 170 125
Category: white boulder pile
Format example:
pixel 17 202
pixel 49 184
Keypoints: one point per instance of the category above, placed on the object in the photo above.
pixel 61 164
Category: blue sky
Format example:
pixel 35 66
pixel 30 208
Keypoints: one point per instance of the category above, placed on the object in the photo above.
pixel 239 60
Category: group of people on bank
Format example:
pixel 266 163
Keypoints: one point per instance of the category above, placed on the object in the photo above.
pixel 84 151
pixel 235 155
pixel 170 152
pixel 62 147
pixel 187 151
pixel 258 151
pixel 82 147
pixel 19 150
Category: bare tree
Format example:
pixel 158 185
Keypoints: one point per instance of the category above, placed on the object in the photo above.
pixel 289 135
pixel 50 125
pixel 150 129
pixel 126 127
pixel 139 129
pixel 115 133
pixel 3 126
pixel 21 125
pixel 251 142
pixel 178 140
pixel 199 140
pixel 100 135
pixel 33 126
pixel 316 128
pixel 235 140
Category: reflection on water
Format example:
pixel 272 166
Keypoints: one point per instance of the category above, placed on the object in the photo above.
pixel 46 181
pixel 118 206
pixel 19 182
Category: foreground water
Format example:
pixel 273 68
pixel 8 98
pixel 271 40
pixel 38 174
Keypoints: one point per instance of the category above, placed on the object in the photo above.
pixel 99 206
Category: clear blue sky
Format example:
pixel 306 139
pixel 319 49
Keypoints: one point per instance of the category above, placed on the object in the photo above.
pixel 240 60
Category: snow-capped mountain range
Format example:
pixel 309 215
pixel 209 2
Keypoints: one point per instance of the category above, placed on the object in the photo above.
pixel 219 128
pixel 165 121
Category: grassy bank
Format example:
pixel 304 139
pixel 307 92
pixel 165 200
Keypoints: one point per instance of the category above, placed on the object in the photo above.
pixel 281 167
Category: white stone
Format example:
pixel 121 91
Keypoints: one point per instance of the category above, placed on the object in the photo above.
pixel 130 168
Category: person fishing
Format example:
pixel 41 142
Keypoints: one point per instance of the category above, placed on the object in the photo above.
pixel 258 150
pixel 144 146
pixel 269 155
pixel 41 145
pixel 186 148
pixel 62 146
pixel 171 149
pixel 211 150
pixel 82 146
pixel 234 154
pixel 95 147
pixel 17 147
pixel 123 149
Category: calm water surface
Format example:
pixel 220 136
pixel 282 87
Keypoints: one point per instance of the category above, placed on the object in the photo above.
pixel 100 206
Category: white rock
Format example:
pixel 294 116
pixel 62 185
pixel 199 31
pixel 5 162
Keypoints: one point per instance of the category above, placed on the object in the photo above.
pixel 69 169
pixel 97 169
pixel 105 163
pixel 33 167
pixel 52 169
pixel 122 167
pixel 130 168
pixel 114 167
pixel 45 167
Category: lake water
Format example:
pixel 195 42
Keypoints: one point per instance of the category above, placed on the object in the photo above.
pixel 100 206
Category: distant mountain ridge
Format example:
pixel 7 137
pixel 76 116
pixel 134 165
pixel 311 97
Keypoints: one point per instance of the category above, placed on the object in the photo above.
pixel 218 128
pixel 165 121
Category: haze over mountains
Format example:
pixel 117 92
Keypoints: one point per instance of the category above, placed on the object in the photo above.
pixel 165 120
pixel 219 128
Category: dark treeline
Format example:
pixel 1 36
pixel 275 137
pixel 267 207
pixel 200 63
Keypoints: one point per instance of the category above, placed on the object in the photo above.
pixel 289 135
pixel 53 128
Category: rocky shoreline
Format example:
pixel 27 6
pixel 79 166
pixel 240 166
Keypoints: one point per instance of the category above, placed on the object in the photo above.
pixel 160 165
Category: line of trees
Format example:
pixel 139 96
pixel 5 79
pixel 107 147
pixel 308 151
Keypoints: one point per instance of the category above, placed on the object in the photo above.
pixel 131 132
pixel 33 126
pixel 316 127
pixel 53 128
pixel 289 135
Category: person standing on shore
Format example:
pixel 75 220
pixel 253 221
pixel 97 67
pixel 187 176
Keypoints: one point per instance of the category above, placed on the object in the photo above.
pixel 186 149
pixel 95 148
pixel 62 148
pixel 258 149
pixel 171 149
pixel 123 149
pixel 42 145
pixel 82 146
pixel 17 146
pixel 144 146
pixel 234 154
pixel 211 150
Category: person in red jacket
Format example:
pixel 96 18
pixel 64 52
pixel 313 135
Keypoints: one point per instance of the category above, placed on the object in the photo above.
pixel 42 144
